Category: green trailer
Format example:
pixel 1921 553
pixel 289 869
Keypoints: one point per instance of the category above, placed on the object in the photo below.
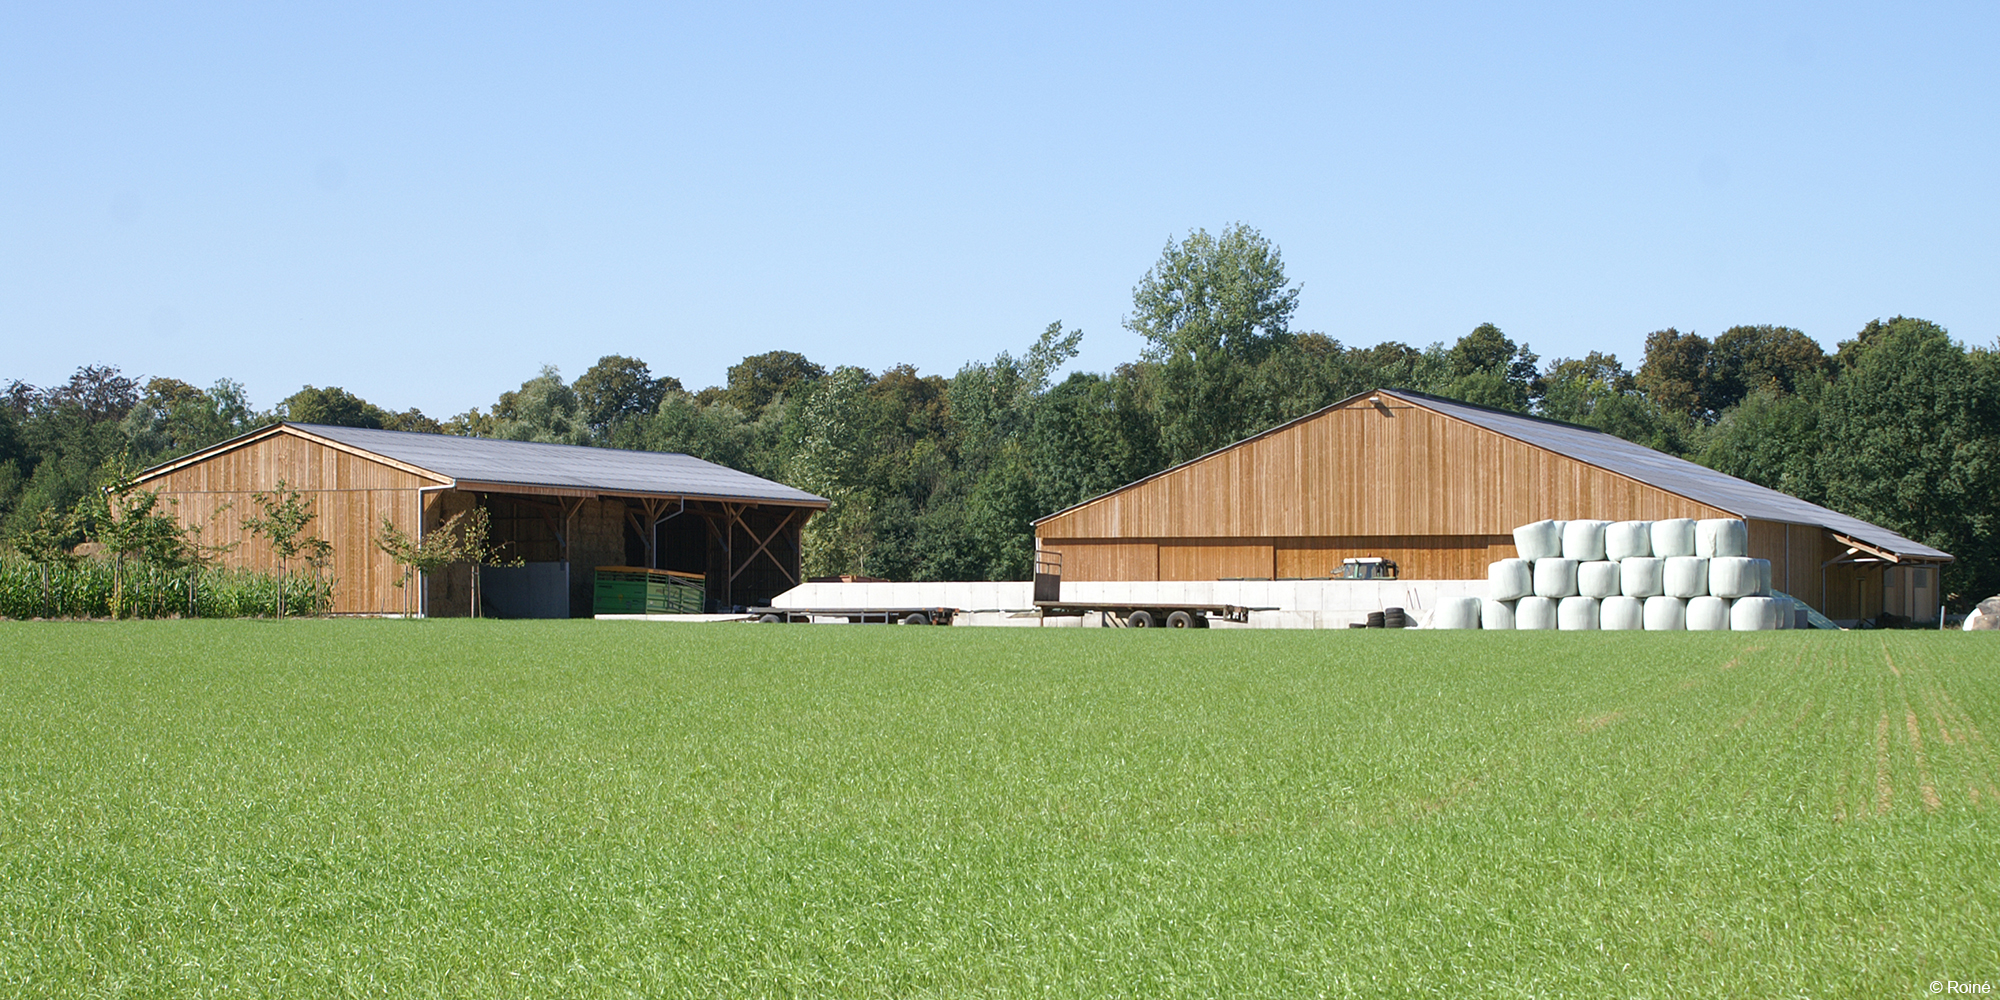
pixel 635 590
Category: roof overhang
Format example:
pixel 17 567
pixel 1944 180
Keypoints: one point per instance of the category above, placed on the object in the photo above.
pixel 536 489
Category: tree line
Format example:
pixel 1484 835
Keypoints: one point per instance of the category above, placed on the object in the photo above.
pixel 935 477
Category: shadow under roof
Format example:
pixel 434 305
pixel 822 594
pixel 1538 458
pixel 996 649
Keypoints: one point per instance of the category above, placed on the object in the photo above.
pixel 528 464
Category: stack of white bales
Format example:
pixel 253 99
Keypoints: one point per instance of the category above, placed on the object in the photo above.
pixel 1652 575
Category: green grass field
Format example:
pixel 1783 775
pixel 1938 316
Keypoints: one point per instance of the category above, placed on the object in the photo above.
pixel 457 808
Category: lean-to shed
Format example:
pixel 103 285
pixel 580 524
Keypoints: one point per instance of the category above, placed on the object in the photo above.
pixel 1438 486
pixel 565 510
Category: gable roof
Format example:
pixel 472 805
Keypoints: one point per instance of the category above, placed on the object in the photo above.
pixel 1634 461
pixel 484 463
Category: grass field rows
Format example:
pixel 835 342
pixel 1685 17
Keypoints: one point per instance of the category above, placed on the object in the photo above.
pixel 387 808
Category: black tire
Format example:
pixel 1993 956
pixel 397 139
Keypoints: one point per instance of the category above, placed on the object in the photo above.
pixel 1140 619
pixel 1180 619
pixel 917 618
pixel 769 619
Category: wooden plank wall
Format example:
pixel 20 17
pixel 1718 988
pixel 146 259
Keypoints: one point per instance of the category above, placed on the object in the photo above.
pixel 1354 481
pixel 350 495
pixel 1356 471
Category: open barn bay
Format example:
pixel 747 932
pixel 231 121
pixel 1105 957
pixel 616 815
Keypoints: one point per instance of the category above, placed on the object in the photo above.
pixel 388 808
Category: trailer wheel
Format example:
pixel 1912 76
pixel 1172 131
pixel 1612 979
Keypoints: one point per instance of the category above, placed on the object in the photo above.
pixel 918 618
pixel 769 619
pixel 1180 619
pixel 1140 619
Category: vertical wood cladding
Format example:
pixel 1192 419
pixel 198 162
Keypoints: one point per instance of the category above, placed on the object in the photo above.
pixel 351 495
pixel 1438 495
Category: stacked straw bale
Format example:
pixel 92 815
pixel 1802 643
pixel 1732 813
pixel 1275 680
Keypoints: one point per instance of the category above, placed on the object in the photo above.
pixel 1656 576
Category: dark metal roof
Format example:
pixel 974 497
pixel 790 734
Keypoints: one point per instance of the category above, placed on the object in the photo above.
pixel 1675 475
pixel 564 466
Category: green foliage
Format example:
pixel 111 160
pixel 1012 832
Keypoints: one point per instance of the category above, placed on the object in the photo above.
pixel 333 406
pixel 563 809
pixel 284 517
pixel 1487 368
pixel 1912 442
pixel 764 378
pixel 99 589
pixel 543 409
pixel 618 389
pixel 1212 309
pixel 174 418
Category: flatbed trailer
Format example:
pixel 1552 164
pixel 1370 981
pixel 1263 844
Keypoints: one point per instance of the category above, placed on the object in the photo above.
pixel 1148 615
pixel 1126 614
pixel 857 616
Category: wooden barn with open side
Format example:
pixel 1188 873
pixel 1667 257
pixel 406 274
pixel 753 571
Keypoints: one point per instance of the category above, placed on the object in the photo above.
pixel 564 509
pixel 1438 486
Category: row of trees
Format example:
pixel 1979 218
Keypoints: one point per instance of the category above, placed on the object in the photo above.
pixel 935 477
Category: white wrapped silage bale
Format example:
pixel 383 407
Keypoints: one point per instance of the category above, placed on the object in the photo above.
pixel 1787 616
pixel 1731 577
pixel 1535 613
pixel 1708 614
pixel 1583 541
pixel 1685 577
pixel 1640 577
pixel 1540 540
pixel 1577 614
pixel 1456 613
pixel 1599 579
pixel 1509 580
pixel 1753 614
pixel 1763 577
pixel 1673 537
pixel 1496 615
pixel 1555 578
pixel 1628 540
pixel 1721 536
pixel 1666 614
pixel 1622 614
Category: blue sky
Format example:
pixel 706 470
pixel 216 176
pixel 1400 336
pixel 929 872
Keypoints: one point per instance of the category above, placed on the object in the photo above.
pixel 426 203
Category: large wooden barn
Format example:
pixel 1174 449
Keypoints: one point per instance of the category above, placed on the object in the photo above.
pixel 1438 486
pixel 565 510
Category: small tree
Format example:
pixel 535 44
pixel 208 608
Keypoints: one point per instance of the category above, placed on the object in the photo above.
pixel 46 543
pixel 425 555
pixel 127 521
pixel 286 514
pixel 472 546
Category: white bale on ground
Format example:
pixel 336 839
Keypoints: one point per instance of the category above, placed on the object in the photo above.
pixel 1685 577
pixel 1628 540
pixel 1753 614
pixel 1673 537
pixel 1788 610
pixel 1640 577
pixel 1599 579
pixel 1708 614
pixel 1456 613
pixel 1622 614
pixel 1578 614
pixel 1535 613
pixel 1540 540
pixel 1509 580
pixel 1583 540
pixel 1715 537
pixel 1763 578
pixel 1497 615
pixel 1555 578
pixel 1731 577
pixel 1666 614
